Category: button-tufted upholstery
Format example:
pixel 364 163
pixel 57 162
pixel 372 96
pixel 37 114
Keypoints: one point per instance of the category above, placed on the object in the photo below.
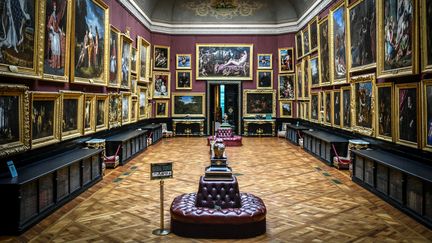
pixel 224 194
pixel 228 137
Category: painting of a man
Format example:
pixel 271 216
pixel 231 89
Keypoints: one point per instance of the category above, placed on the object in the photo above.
pixel 54 61
pixel 408 114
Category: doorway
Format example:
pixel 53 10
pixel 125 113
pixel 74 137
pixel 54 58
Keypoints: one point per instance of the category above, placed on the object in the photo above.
pixel 223 97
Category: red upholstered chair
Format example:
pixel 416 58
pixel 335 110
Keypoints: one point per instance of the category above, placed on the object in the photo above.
pixel 227 135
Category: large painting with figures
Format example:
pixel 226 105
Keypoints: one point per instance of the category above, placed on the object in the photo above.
pixel 397 38
pixel 224 62
pixel 363 110
pixel 161 57
pixel 338 67
pixel 336 108
pixel 125 61
pixel 427 115
pixel 114 51
pixel 426 29
pixel 19 37
pixel 346 107
pixel 101 110
pixel 114 111
pixel 299 44
pixel 188 104
pixel 259 102
pixel 72 114
pixel 407 114
pixel 143 68
pixel 361 40
pixel 45 118
pixel 323 51
pixel 89 40
pixel 286 87
pixel 384 111
pixel 57 19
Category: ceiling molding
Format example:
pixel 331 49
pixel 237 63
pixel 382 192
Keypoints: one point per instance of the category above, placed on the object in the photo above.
pixel 225 29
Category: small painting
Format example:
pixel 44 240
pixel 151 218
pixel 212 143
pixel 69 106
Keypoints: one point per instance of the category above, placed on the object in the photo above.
pixel 224 62
pixel 162 108
pixel 384 110
pixel 188 104
pixel 161 87
pixel 364 104
pixel 265 79
pixel 125 66
pixel 9 115
pixel 72 114
pixel 427 115
pixel 286 109
pixel 259 102
pixel 426 28
pixel 161 55
pixel 125 107
pixel 306 43
pixel 142 102
pixel 133 60
pixel 361 40
pixel 328 108
pixel 314 106
pixel 286 87
pixel 184 61
pixel 336 108
pixel 406 95
pixel 306 80
pixel 183 79
pixel 113 62
pixel 264 61
pixel 337 44
pixel 89 113
pixel 134 109
pixel 346 108
pixel 299 78
pixel 286 64
pixel 44 119
pixel 313 28
pixel 115 106
pixel 299 44
pixel 101 112
pixel 314 71
pixel 144 60
pixel 323 50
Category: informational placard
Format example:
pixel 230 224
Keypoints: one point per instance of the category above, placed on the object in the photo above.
pixel 159 171
pixel 12 169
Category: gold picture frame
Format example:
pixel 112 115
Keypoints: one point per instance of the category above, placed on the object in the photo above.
pixel 336 108
pixel 161 85
pixel 182 61
pixel 417 116
pixel 54 29
pixel 328 104
pixel 306 84
pixel 299 79
pixel 126 105
pixel 311 24
pixel 67 127
pixel 346 104
pixel 283 109
pixel 425 49
pixel 287 90
pixel 363 104
pixel 114 110
pixel 382 71
pixel 101 112
pixel 134 109
pixel 102 79
pixel 39 122
pixel 258 97
pixel 426 114
pixel 315 114
pixel 134 63
pixel 161 57
pixel 314 62
pixel 114 57
pixel 144 63
pixel 185 99
pixel 299 44
pixel 262 81
pixel 125 77
pixel 142 102
pixel 182 83
pixel 15 119
pixel 286 60
pixel 159 107
pixel 324 51
pixel 264 61
pixel 306 41
pixel 380 106
pixel 89 114
pixel 340 75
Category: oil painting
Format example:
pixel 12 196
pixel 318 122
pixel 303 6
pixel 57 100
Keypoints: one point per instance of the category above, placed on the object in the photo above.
pixel 313 28
pixel 188 104
pixel 337 45
pixel 113 79
pixel 306 43
pixel 259 102
pixel 264 61
pixel 161 86
pixel 336 108
pixel 426 30
pixel 72 114
pixel 299 78
pixel 44 121
pixel 364 104
pixel 286 64
pixel 346 107
pixel 125 107
pixel 427 115
pixel 328 108
pixel 101 112
pixel 162 108
pixel 265 79
pixel 407 114
pixel 125 64
pixel 161 57
pixel 184 61
pixel 89 113
pixel 314 113
pixel 143 60
pixel 384 116
pixel 314 71
pixel 323 51
pixel 133 61
pixel 299 44
pixel 115 105
pixel 183 79
pixel 286 86
pixel 286 109
pixel 306 79
pixel 142 102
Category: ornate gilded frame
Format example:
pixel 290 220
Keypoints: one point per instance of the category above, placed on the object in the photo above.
pixel 299 72
pixel 173 111
pixel 144 44
pixel 396 132
pixel 299 52
pixel 23 142
pixel 312 22
pixel 92 113
pixel 356 127
pixel 333 79
pixel 142 115
pixel 72 95
pixel 117 68
pixel 57 118
pixel 134 56
pixel 124 38
pixel 424 48
pixel 281 103
pixel 323 21
pixel 305 32
pixel 168 74
pixel 103 80
pixel 306 69
pixel 166 102
pixel 105 98
pixel 310 71
pixel 342 109
pixel 259 91
pixel 424 121
pixel 271 78
pixel 413 69
pixel 271 60
pixel 317 94
pixel 377 110
pixel 328 93
pixel 168 57
pixel 336 91
pixel 294 88
pixel 126 96
pixel 177 79
pixel 134 109
pixel 280 59
pixel 184 55
pixel 114 119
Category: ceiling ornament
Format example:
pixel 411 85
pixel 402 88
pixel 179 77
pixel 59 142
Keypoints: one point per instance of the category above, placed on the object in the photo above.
pixel 224 9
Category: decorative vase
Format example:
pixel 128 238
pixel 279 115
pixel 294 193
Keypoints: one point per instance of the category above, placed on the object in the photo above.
pixel 219 149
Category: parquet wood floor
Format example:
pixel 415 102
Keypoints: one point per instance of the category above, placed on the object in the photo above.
pixel 307 201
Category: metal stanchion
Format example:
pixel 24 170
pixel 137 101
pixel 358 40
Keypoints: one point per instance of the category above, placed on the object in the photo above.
pixel 161 231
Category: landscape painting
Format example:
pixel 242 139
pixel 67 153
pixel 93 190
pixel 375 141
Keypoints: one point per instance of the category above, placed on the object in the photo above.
pixel 188 104
pixel 338 60
pixel 285 109
pixel 324 52
pixel 184 61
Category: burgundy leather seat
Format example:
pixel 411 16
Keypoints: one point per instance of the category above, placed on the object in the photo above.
pixel 227 136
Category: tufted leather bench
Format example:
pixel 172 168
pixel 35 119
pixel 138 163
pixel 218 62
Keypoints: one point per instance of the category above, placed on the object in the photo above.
pixel 227 136
pixel 218 210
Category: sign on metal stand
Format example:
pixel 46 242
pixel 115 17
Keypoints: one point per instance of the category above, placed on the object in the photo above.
pixel 160 171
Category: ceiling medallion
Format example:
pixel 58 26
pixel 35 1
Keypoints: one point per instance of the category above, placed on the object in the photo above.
pixel 224 9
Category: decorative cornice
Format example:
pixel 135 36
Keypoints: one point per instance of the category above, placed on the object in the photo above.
pixel 225 29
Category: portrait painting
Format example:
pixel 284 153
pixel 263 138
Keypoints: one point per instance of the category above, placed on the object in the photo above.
pixel 161 56
pixel 259 102
pixel 125 107
pixel 406 95
pixel 361 40
pixel 306 43
pixel 188 104
pixel 18 36
pixel 113 80
pixel 364 104
pixel 397 37
pixel 101 112
pixel 88 42
pixel 286 86
pixel 299 78
pixel 161 86
pixel 144 60
pixel 323 51
pixel 338 54
pixel 72 113
pixel 314 113
pixel 328 107
pixel 134 84
pixel 115 112
pixel 286 109
pixel 427 114
pixel 162 108
pixel 384 116
pixel 125 64
pixel 336 108
pixel 299 44
pixel 184 61
pixel 426 30
pixel 306 79
pixel 142 102
pixel 89 113
pixel 265 79
pixel 44 119
pixel 286 64
pixel 183 79
pixel 224 62
pixel 346 107
pixel 264 61
pixel 133 110
pixel 134 60
pixel 57 37
pixel 314 71
pixel 313 28
pixel 14 119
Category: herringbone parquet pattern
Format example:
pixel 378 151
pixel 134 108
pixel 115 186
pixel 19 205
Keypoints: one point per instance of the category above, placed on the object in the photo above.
pixel 306 200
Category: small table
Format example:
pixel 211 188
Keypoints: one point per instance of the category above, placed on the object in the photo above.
pixel 259 127
pixel 188 127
